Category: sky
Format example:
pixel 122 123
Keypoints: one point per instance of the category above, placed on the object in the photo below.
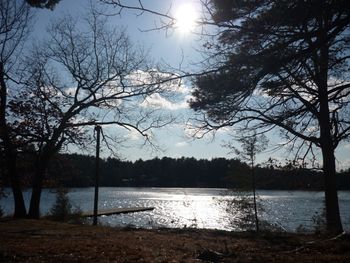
pixel 179 46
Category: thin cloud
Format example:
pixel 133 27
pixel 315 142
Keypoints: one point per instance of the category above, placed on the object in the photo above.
pixel 181 144
pixel 133 135
pixel 158 101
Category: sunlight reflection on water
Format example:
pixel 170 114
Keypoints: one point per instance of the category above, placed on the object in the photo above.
pixel 193 207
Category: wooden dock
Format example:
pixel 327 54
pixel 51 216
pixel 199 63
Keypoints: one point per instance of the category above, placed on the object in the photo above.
pixel 116 211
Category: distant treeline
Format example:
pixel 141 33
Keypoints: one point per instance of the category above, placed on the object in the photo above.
pixel 74 170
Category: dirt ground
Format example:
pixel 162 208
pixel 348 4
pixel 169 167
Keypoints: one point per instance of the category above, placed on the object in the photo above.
pixel 48 241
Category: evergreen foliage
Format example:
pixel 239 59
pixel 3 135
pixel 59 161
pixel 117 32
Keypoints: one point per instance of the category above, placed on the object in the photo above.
pixel 280 64
pixel 62 208
pixel 48 4
pixel 73 170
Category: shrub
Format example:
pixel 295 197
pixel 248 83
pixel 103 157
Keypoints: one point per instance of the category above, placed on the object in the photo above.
pixel 319 221
pixel 241 207
pixel 62 208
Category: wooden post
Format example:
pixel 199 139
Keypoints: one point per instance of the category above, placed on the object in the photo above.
pixel 98 131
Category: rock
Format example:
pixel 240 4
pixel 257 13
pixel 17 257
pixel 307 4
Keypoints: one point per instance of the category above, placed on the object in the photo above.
pixel 210 256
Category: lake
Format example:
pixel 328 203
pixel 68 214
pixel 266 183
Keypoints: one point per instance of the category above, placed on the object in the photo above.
pixel 195 207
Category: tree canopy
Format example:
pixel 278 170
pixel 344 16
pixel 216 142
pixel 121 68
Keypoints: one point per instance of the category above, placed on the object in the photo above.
pixel 85 73
pixel 274 62
pixel 49 4
pixel 15 18
pixel 280 64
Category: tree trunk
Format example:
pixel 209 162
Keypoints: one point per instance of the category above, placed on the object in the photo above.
pixel 10 154
pixel 254 198
pixel 42 162
pixel 34 208
pixel 20 209
pixel 334 224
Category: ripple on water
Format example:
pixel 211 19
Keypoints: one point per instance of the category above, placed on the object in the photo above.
pixel 193 207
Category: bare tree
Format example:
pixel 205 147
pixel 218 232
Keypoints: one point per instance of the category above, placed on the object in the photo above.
pixel 165 21
pixel 251 145
pixel 86 74
pixel 14 25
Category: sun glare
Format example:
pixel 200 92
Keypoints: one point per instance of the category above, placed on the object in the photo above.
pixel 186 17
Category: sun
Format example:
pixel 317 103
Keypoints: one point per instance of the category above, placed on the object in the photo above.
pixel 185 18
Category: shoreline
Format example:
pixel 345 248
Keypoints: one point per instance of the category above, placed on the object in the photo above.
pixel 8 188
pixel 26 240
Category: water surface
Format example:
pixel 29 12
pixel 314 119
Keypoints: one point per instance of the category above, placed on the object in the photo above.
pixel 195 207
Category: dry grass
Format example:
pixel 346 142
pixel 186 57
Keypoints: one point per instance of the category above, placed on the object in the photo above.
pixel 47 241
